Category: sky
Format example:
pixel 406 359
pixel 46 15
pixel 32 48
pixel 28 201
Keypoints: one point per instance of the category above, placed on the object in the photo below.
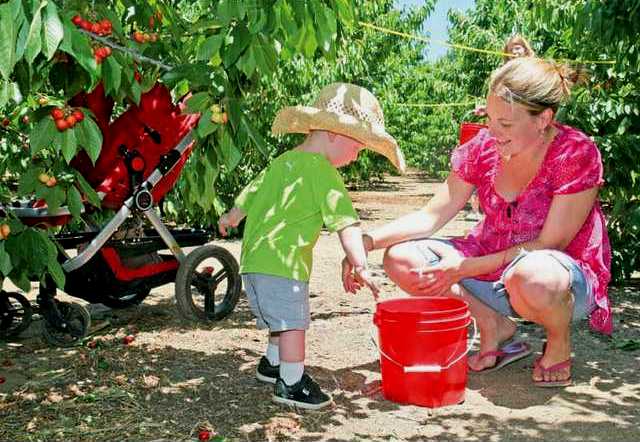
pixel 437 23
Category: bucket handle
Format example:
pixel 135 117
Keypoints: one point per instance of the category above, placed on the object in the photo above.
pixel 432 368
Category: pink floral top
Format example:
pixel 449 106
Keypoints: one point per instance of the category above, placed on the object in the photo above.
pixel 572 164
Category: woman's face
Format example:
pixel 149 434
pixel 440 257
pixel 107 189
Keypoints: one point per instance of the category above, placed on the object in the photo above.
pixel 513 127
pixel 518 50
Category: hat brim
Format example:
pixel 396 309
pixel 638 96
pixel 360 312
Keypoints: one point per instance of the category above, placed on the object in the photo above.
pixel 304 119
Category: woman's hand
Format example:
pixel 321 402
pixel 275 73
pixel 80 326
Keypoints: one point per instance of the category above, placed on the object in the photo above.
pixel 437 280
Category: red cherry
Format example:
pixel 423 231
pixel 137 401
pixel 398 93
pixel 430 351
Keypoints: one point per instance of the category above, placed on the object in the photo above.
pixel 76 20
pixel 6 122
pixel 128 339
pixel 139 37
pixel 86 25
pixel 79 115
pixel 204 435
pixel 2 380
pixel 25 119
pixel 95 28
pixel 71 121
pixel 57 113
pixel 107 51
pixel 137 76
pixel 62 124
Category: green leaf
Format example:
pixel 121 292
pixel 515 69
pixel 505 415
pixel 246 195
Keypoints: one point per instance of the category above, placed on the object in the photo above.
pixel 86 188
pixel 197 74
pixel 53 30
pixel 229 10
pixel 5 260
pixel 111 75
pixel 89 138
pixel 69 144
pixel 28 251
pixel 210 47
pixel 135 92
pixel 266 56
pixel 34 38
pixel 28 181
pixel 56 272
pixel 42 134
pixel 198 102
pixel 241 39
pixel 247 63
pixel 205 125
pixel 310 43
pixel 74 201
pixel 21 280
pixel 54 196
pixel 8 38
pixel 255 137
pixel 231 155
pixel 77 45
pixel 345 11
pixel 4 92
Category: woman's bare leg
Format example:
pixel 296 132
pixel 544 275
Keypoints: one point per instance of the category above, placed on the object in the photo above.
pixel 539 291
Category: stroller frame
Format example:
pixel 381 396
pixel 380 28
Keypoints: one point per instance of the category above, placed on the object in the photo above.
pixel 68 323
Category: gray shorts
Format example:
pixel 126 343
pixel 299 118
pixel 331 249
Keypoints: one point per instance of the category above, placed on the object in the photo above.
pixel 495 295
pixel 278 304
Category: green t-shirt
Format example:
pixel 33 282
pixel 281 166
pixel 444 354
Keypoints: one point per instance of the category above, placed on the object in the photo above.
pixel 286 206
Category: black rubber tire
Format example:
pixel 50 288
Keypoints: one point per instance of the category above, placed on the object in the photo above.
pixel 126 301
pixel 185 289
pixel 79 318
pixel 13 319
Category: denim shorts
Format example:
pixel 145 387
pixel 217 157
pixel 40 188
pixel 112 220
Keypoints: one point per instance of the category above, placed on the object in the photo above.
pixel 495 295
pixel 278 303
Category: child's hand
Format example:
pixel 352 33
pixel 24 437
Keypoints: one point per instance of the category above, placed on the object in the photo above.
pixel 354 280
pixel 224 223
pixel 230 219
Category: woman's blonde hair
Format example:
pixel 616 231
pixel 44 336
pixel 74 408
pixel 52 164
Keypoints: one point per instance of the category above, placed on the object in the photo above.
pixel 517 39
pixel 534 83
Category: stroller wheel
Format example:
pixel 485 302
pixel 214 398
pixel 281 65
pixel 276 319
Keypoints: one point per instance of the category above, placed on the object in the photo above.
pixel 15 314
pixel 208 284
pixel 78 321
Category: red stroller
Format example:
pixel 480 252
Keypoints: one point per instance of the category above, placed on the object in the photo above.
pixel 143 153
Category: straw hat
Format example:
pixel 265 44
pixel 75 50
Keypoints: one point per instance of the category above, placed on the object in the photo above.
pixel 345 109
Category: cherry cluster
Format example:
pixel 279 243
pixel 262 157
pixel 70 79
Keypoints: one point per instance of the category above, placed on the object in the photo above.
pixel 102 27
pixel 143 37
pixel 66 118
pixel 100 53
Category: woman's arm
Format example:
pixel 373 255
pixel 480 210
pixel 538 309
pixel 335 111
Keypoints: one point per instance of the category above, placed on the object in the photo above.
pixel 448 200
pixel 566 217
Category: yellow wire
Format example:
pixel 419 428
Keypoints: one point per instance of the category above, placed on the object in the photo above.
pixel 464 47
pixel 436 104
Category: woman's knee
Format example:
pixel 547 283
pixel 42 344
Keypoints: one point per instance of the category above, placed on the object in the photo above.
pixel 398 262
pixel 537 279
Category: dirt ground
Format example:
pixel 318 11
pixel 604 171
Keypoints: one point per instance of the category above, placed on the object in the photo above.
pixel 178 376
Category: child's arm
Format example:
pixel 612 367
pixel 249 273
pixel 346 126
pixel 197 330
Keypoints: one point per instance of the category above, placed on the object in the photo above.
pixel 351 239
pixel 230 219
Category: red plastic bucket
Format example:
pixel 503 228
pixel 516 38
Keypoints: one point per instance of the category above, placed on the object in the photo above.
pixel 470 130
pixel 423 350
